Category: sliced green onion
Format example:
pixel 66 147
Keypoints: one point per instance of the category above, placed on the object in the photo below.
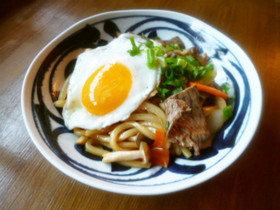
pixel 190 59
pixel 159 50
pixel 169 74
pixel 135 50
pixel 191 67
pixel 170 60
pixel 225 87
pixel 195 74
pixel 167 123
pixel 181 62
pixel 172 47
pixel 209 66
pixel 202 73
pixel 163 92
pixel 228 112
pixel 149 43
pixel 177 90
pixel 151 63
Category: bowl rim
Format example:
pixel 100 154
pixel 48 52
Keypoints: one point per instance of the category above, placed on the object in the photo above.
pixel 61 166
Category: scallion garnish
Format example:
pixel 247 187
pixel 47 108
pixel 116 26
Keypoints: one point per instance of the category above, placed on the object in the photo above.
pixel 177 90
pixel 149 43
pixel 225 87
pixel 135 50
pixel 151 63
pixel 176 71
pixel 167 123
pixel 228 112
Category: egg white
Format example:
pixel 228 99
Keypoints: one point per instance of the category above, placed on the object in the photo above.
pixel 145 80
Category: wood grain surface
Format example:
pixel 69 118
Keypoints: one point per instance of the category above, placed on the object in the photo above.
pixel 29 181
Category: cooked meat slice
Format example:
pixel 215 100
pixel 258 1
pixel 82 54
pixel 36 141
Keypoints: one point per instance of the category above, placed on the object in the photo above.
pixel 187 124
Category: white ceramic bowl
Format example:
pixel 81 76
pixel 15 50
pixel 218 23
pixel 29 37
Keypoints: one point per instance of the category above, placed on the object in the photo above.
pixel 50 67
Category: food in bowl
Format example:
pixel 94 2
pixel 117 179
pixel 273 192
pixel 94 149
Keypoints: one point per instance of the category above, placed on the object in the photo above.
pixel 137 101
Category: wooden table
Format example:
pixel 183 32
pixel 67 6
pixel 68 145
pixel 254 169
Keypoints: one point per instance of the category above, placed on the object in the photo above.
pixel 29 181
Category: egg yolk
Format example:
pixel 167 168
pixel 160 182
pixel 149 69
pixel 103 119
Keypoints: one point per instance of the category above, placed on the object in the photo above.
pixel 107 88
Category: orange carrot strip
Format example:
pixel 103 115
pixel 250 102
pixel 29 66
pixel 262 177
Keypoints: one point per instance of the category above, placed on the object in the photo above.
pixel 159 157
pixel 210 90
pixel 160 139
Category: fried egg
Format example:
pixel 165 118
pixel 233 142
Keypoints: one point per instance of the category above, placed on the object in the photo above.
pixel 108 84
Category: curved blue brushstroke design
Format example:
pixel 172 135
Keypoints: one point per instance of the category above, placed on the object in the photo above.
pixel 152 34
pixel 89 37
pixel 150 30
pixel 222 141
pixel 111 28
pixel 205 154
pixel 185 169
pixel 184 26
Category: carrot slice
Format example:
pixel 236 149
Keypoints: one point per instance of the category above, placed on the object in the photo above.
pixel 210 90
pixel 159 157
pixel 160 139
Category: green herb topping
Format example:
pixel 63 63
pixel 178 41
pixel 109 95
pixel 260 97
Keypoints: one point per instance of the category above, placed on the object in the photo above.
pixel 176 71
pixel 135 50
pixel 228 112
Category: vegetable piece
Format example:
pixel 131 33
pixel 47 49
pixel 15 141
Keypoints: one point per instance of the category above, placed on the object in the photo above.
pixel 186 152
pixel 209 75
pixel 215 121
pixel 142 153
pixel 226 87
pixel 220 102
pixel 135 50
pixel 82 140
pixel 160 140
pixel 209 90
pixel 207 110
pixel 179 70
pixel 171 47
pixel 227 112
pixel 149 43
pixel 151 63
pixel 159 157
pixel 167 123
pixel 177 90
pixel 192 60
pixel 163 92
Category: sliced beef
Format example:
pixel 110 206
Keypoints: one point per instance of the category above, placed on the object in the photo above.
pixel 187 124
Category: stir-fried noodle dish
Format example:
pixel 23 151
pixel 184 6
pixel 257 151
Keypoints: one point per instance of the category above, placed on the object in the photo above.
pixel 138 101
